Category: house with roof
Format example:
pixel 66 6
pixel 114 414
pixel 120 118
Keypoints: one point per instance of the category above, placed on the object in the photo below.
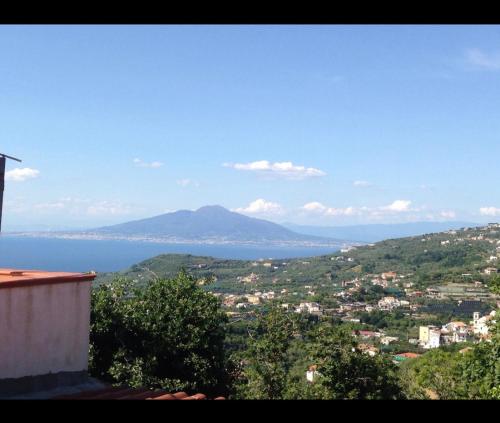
pixel 399 358
pixel 388 303
pixel 429 336
pixel 366 334
pixel 386 340
pixel 309 307
pixel 312 373
pixel 368 349
pixel 481 325
pixel 389 275
pixel 454 332
pixel 490 270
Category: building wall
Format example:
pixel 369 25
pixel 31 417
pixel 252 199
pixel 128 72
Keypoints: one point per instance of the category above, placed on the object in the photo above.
pixel 44 329
pixel 424 334
pixel 434 339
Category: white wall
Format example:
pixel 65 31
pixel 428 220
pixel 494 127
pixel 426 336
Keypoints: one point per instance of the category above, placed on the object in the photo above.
pixel 44 329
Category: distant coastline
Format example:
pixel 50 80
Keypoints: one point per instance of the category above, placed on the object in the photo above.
pixel 94 236
pixel 83 255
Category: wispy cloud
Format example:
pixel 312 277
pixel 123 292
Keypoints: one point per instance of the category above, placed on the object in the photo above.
pixel 362 184
pixel 328 79
pixel 489 211
pixel 186 182
pixel 152 165
pixel 21 174
pixel 481 60
pixel 448 214
pixel 316 207
pixel 281 169
pixel 261 206
pixel 110 208
pixel 85 207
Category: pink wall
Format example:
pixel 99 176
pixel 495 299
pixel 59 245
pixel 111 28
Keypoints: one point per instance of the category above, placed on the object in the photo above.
pixel 44 329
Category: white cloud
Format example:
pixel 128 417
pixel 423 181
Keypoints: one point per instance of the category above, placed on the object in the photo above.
pixel 21 174
pixel 58 205
pixel 261 206
pixel 398 206
pixel 362 184
pixel 490 211
pixel 318 208
pixel 109 208
pixel 482 60
pixel 84 207
pixel 448 214
pixel 281 169
pixel 315 207
pixel 185 182
pixel 153 165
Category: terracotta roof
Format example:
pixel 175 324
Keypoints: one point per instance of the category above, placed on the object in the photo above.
pixel 408 355
pixel 125 393
pixel 10 278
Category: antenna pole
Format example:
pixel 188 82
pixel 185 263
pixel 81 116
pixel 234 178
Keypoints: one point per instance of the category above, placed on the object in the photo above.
pixel 2 186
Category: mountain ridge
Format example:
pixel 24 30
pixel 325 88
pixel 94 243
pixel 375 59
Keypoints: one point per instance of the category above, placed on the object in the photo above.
pixel 368 233
pixel 208 223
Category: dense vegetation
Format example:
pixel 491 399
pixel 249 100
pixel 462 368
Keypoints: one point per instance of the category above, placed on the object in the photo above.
pixel 424 257
pixel 170 334
pixel 154 327
pixel 167 335
pixel 470 374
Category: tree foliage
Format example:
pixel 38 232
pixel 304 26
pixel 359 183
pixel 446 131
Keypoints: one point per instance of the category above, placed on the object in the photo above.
pixel 472 374
pixel 266 373
pixel 345 372
pixel 167 335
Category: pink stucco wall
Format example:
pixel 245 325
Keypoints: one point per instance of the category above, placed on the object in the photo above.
pixel 44 329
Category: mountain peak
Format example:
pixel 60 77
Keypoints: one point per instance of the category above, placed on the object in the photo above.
pixel 210 223
pixel 212 209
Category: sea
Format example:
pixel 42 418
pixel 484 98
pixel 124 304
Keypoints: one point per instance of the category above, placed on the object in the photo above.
pixel 70 255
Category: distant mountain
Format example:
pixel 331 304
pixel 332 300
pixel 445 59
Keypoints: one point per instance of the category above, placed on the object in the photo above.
pixel 378 232
pixel 210 223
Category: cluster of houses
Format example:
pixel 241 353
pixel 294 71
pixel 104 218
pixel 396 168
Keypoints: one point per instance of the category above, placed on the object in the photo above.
pixel 390 303
pixel 310 308
pixel 488 234
pixel 457 331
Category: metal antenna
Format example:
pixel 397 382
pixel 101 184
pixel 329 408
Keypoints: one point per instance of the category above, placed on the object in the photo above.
pixel 3 158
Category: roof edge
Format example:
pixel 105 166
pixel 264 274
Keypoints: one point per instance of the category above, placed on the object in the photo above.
pixel 48 281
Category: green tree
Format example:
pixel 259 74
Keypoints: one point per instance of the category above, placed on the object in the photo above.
pixel 347 373
pixel 266 373
pixel 167 335
pixel 494 285
pixel 435 375
pixel 474 374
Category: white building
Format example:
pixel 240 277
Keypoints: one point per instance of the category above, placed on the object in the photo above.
pixel 429 337
pixel 386 340
pixel 434 339
pixel 308 307
pixel 481 325
pixel 388 303
pixel 312 374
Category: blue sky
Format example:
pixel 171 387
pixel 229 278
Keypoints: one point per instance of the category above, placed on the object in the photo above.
pixel 326 125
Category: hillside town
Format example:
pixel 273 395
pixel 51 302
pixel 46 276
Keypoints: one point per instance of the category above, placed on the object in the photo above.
pixel 389 292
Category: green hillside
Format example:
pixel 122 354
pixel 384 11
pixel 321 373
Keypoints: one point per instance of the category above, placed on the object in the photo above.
pixel 448 257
